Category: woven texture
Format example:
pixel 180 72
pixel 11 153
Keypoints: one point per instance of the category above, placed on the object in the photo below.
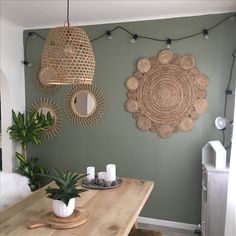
pixel 45 88
pixel 67 57
pixel 169 95
pixel 95 116
pixel 50 105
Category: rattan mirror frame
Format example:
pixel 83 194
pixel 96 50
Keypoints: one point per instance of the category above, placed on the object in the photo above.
pixel 73 98
pixel 93 117
pixel 55 110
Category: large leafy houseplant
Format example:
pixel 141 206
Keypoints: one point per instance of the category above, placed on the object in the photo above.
pixel 30 168
pixel 27 129
pixel 65 192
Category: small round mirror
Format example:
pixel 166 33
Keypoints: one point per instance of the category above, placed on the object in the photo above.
pixel 83 103
pixel 47 106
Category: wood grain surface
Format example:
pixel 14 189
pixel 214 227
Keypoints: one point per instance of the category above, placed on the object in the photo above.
pixel 111 212
pixel 62 223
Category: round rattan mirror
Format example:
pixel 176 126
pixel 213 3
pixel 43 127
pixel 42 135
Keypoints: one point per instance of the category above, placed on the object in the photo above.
pixel 84 104
pixel 44 105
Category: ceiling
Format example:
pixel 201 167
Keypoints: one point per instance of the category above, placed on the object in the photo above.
pixel 49 13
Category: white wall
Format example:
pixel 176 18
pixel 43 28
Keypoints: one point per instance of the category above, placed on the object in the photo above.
pixel 12 84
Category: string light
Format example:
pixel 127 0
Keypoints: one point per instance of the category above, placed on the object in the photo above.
pixel 26 63
pixel 205 33
pixel 133 40
pixel 134 36
pixel 109 36
pixel 168 42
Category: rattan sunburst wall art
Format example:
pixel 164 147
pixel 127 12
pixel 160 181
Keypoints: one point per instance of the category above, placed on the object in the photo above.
pixel 84 104
pixel 45 105
pixel 167 93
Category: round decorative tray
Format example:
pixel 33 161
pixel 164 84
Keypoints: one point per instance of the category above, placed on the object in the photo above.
pixel 94 185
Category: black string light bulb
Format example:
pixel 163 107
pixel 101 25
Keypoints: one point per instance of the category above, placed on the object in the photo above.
pixel 109 36
pixel 26 63
pixel 168 42
pixel 205 33
pixel 134 38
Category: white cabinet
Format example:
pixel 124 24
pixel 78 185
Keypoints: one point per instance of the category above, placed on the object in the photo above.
pixel 214 198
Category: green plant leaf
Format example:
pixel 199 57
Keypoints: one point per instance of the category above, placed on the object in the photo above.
pixel 67 183
pixel 20 157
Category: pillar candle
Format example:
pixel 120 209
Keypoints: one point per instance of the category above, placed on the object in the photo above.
pixel 102 175
pixel 111 172
pixel 90 172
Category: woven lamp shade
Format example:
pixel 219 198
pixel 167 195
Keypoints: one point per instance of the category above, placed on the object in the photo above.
pixel 67 57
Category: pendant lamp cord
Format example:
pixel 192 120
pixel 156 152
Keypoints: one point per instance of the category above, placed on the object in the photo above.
pixel 68 11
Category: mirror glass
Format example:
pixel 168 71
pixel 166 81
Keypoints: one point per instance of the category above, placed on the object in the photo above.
pixel 84 103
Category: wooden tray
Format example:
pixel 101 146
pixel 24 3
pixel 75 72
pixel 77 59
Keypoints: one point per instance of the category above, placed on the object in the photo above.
pixel 96 186
pixel 74 217
pixel 79 217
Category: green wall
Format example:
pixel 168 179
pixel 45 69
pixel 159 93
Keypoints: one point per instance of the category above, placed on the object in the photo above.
pixel 174 164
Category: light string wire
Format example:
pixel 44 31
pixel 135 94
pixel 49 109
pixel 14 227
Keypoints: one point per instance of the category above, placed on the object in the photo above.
pixel 227 93
pixel 168 40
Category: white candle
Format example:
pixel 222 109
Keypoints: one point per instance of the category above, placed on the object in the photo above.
pixel 102 175
pixel 111 172
pixel 90 172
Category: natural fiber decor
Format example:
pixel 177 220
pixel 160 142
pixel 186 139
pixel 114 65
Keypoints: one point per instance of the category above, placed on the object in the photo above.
pixel 48 88
pixel 94 116
pixel 45 105
pixel 167 96
pixel 67 57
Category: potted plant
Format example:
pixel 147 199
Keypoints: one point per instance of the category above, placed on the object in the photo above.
pixel 31 169
pixel 27 129
pixel 66 191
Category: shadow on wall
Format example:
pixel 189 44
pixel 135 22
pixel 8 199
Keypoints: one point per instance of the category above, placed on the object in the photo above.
pixel 6 142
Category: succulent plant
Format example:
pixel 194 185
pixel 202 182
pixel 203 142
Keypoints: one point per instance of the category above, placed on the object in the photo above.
pixel 67 183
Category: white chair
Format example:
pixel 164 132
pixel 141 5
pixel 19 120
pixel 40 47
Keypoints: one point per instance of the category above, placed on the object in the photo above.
pixel 13 188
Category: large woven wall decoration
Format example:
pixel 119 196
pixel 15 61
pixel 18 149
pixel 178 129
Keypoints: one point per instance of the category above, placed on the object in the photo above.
pixel 167 93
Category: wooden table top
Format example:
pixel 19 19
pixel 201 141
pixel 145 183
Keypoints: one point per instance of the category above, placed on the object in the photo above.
pixel 111 212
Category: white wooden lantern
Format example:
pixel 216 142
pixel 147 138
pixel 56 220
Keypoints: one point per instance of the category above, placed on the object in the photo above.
pixel 214 154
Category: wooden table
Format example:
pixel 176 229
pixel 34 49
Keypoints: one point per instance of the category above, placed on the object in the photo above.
pixel 111 212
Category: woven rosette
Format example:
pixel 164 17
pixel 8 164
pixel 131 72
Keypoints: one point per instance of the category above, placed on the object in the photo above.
pixel 166 93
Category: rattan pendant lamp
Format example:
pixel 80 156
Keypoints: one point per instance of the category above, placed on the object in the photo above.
pixel 67 57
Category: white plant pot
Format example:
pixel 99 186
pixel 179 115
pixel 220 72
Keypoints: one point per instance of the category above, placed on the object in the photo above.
pixel 61 209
